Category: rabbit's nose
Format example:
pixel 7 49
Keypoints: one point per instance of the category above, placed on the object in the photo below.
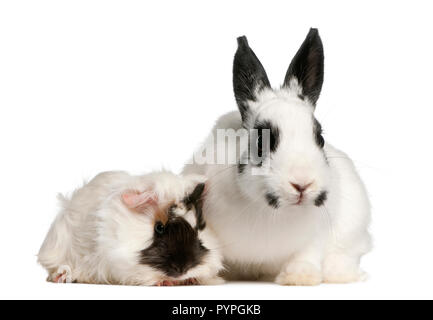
pixel 301 187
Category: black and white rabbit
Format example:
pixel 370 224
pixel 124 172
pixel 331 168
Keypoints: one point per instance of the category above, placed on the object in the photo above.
pixel 133 230
pixel 304 221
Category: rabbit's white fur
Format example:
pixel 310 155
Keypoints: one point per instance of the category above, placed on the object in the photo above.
pixel 293 244
pixel 96 239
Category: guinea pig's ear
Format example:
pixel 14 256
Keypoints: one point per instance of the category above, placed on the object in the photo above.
pixel 249 76
pixel 139 201
pixel 307 67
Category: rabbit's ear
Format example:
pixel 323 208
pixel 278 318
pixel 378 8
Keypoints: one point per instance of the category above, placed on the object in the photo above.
pixel 307 67
pixel 249 76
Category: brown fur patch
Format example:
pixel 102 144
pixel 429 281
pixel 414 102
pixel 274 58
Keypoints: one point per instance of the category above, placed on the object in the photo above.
pixel 161 213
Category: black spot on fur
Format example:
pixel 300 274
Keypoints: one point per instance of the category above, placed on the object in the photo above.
pixel 321 198
pixel 194 196
pixel 308 66
pixel 176 250
pixel 273 200
pixel 300 96
pixel 201 224
pixel 195 201
pixel 249 76
pixel 259 144
pixel 274 133
pixel 317 132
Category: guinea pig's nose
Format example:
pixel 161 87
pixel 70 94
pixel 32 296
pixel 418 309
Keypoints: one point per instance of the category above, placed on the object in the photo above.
pixel 178 270
pixel 301 187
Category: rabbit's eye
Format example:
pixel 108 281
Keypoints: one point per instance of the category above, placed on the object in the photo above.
pixel 317 133
pixel 259 144
pixel 320 140
pixel 266 141
pixel 159 228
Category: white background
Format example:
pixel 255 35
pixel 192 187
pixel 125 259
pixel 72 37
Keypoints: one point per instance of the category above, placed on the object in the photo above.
pixel 88 86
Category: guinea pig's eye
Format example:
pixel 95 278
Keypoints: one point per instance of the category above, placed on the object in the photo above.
pixel 159 228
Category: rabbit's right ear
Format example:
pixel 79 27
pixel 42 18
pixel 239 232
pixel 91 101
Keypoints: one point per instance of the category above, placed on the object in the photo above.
pixel 249 76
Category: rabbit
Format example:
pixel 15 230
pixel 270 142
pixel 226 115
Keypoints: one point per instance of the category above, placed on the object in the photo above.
pixel 133 230
pixel 300 216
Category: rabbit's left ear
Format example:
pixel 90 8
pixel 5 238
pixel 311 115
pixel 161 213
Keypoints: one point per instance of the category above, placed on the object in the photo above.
pixel 249 76
pixel 307 67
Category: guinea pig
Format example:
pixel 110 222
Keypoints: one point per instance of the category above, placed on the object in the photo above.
pixel 133 230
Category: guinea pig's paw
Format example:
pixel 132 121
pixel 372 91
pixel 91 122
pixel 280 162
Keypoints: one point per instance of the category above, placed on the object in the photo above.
pixel 171 283
pixel 167 283
pixel 191 282
pixel 63 275
pixel 299 274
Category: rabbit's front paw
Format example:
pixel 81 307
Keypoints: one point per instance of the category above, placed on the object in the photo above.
pixel 299 274
pixel 344 277
pixel 342 269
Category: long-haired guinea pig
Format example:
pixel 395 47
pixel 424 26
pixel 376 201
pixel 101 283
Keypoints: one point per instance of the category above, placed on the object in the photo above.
pixel 133 230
